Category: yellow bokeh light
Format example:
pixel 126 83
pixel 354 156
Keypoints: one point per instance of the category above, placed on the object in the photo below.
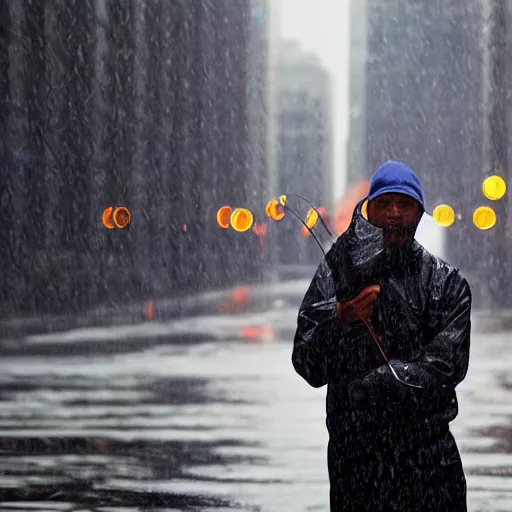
pixel 311 218
pixel 484 217
pixel 364 210
pixel 241 220
pixel 444 215
pixel 494 188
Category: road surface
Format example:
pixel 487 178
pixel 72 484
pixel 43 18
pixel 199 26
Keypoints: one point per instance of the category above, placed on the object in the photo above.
pixel 204 413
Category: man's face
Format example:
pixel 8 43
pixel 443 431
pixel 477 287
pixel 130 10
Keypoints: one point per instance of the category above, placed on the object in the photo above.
pixel 397 214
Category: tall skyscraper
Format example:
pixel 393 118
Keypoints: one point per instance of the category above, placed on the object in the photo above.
pixel 356 168
pixel 421 68
pixel 159 106
pixel 305 152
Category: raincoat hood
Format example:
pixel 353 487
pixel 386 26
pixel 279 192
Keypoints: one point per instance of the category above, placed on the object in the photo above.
pixel 396 178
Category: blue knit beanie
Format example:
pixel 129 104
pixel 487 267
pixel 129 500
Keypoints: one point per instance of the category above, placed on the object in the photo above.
pixel 396 178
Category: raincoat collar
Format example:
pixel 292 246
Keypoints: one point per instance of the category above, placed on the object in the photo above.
pixel 363 225
pixel 361 253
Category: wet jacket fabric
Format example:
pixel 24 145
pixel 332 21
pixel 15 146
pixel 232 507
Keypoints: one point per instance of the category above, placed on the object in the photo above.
pixel 390 447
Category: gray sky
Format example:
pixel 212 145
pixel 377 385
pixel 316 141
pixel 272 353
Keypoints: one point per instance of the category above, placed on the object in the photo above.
pixel 322 27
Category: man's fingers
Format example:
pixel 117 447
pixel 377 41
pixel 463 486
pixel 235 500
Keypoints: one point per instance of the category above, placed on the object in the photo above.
pixel 371 289
pixel 360 306
pixel 373 297
pixel 365 312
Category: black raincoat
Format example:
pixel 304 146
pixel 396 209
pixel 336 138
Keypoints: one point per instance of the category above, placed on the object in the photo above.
pixel 390 447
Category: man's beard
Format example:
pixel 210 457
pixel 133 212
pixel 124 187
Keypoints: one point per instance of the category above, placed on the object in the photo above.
pixel 397 251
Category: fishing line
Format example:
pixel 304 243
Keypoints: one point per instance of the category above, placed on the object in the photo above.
pixel 387 360
pixel 314 208
pixel 306 226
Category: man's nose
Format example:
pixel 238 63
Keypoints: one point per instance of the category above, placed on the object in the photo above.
pixel 395 212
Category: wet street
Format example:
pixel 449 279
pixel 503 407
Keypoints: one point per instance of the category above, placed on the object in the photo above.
pixel 205 414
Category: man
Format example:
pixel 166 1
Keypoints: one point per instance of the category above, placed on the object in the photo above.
pixel 390 446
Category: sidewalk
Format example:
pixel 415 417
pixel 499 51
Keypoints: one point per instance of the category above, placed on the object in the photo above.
pixel 112 315
pixel 257 297
pixel 205 303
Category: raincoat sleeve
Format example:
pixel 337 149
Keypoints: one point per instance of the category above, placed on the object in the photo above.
pixel 319 335
pixel 442 365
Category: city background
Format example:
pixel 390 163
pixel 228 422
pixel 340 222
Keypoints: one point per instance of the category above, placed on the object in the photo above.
pixel 150 366
pixel 175 109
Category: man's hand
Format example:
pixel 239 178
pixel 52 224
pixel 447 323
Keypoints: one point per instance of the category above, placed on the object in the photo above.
pixel 359 307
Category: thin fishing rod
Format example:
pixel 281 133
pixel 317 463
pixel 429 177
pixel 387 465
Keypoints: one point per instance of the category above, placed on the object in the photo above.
pixel 306 226
pixel 365 323
pixel 387 360
pixel 314 208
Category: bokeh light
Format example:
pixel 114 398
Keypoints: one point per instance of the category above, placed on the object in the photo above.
pixel 311 218
pixel 494 188
pixel 484 217
pixel 444 215
pixel 122 217
pixel 105 218
pixel 241 220
pixel 275 210
pixel 223 216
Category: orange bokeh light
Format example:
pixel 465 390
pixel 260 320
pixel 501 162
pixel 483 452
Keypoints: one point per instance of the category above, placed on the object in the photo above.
pixel 122 217
pixel 223 216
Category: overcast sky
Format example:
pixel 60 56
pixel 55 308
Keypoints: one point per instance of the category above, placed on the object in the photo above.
pixel 322 27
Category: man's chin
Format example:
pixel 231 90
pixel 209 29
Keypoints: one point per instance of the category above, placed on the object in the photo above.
pixel 396 239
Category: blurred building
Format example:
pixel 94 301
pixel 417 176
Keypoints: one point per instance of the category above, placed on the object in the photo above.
pixel 258 94
pixel 305 146
pixel 159 106
pixel 356 168
pixel 417 95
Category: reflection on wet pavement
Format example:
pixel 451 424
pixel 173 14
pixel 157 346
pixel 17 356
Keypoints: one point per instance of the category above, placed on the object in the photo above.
pixel 188 416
